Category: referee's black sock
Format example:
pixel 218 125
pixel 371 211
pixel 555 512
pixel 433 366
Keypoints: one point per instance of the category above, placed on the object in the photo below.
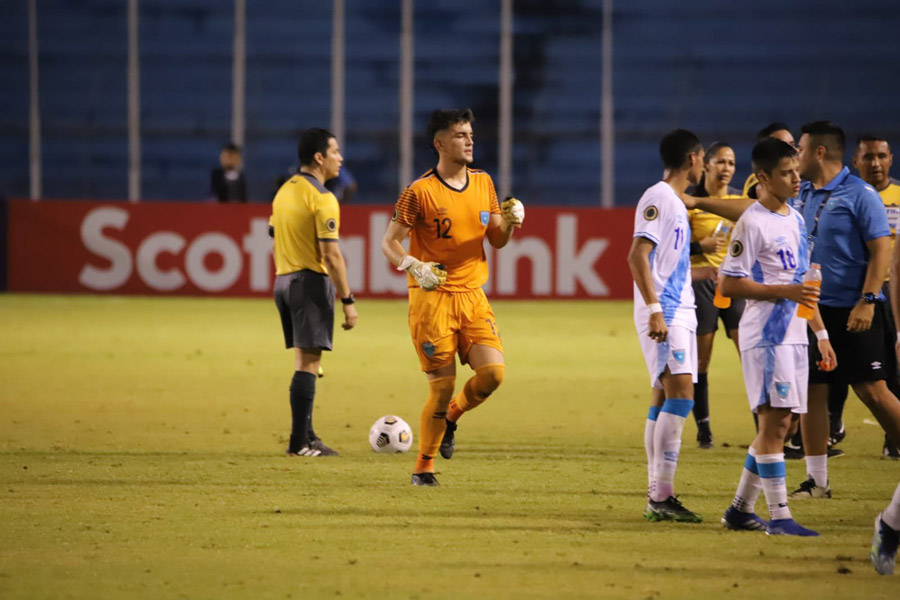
pixel 701 399
pixel 303 391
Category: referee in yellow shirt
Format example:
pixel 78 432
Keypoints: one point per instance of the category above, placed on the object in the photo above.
pixel 718 171
pixel 309 269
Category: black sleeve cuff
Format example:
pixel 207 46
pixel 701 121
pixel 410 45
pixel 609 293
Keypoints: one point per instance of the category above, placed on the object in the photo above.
pixel 696 248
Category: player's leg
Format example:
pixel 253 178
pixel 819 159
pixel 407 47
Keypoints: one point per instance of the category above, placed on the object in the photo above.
pixel 740 515
pixel 481 348
pixel 892 374
pixel 303 392
pixel 434 337
pixel 887 537
pixel 814 428
pixel 785 377
pixel 701 390
pixel 883 404
pixel 837 398
pixel 663 505
pixel 657 400
pixel 432 422
pixel 707 325
pixel 773 425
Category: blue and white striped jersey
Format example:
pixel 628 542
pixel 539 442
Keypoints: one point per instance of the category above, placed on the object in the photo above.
pixel 772 249
pixel 662 218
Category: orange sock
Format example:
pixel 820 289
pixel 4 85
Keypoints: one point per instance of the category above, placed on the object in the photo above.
pixel 477 389
pixel 432 423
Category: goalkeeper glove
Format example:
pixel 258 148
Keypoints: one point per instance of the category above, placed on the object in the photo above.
pixel 430 276
pixel 512 211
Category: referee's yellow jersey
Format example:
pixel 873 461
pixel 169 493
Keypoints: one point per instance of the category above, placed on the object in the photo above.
pixel 303 212
pixel 891 198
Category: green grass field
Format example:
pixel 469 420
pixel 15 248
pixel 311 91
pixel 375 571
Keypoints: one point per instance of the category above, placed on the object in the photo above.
pixel 141 456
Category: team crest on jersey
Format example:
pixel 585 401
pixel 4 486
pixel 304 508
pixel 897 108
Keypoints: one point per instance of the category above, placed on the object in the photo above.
pixel 679 356
pixel 737 248
pixel 832 203
pixel 783 389
pixel 428 348
pixel 650 213
pixel 331 224
pixel 485 217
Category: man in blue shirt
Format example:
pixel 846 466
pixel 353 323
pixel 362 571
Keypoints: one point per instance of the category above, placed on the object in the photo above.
pixel 850 238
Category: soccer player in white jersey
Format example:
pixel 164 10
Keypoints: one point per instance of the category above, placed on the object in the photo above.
pixel 766 264
pixel 665 318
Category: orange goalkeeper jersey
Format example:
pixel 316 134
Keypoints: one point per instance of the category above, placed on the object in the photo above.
pixel 449 225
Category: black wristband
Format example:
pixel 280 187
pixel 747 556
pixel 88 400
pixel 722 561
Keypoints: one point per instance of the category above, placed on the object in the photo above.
pixel 696 248
pixel 349 299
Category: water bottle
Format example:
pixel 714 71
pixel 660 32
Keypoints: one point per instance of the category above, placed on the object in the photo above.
pixel 720 301
pixel 813 278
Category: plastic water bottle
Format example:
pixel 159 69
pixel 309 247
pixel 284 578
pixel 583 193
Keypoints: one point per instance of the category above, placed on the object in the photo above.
pixel 720 301
pixel 813 278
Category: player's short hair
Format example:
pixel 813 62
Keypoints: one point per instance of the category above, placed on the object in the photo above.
pixel 313 140
pixel 713 149
pixel 828 134
pixel 443 118
pixel 768 152
pixel 231 147
pixel 676 146
pixel 872 137
pixel 771 128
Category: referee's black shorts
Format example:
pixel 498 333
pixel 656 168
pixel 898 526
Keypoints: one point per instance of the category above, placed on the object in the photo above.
pixel 708 314
pixel 861 355
pixel 305 301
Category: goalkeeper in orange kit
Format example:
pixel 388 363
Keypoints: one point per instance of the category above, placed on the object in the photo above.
pixel 447 212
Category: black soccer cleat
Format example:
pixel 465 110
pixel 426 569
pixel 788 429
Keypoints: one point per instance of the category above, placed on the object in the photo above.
pixel 792 452
pixel 318 444
pixel 809 490
pixel 704 436
pixel 448 444
pixel 424 479
pixel 890 451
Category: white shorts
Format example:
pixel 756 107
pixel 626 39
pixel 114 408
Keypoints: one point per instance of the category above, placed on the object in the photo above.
pixel 776 375
pixel 678 352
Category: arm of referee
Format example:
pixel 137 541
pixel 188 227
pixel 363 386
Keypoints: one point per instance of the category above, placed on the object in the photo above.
pixel 337 270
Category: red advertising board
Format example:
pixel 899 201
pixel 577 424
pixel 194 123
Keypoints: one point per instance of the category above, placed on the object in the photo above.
pixel 209 249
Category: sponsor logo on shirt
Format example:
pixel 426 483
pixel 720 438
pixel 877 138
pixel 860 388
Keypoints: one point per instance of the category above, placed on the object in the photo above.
pixel 650 213
pixel 737 248
pixel 331 224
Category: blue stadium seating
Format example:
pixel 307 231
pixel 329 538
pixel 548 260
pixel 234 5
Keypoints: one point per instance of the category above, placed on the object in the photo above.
pixel 721 69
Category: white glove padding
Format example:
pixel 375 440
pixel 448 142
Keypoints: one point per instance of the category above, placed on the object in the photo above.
pixel 513 211
pixel 430 276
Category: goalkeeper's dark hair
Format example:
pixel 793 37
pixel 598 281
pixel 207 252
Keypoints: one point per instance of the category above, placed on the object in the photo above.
pixel 442 119
pixel 676 146
pixel 768 152
pixel 312 141
pixel 828 134
pixel 771 128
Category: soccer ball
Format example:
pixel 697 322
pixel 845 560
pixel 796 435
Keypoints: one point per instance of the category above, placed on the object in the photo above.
pixel 391 435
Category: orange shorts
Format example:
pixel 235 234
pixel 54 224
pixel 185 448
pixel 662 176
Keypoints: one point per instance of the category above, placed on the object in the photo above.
pixel 445 323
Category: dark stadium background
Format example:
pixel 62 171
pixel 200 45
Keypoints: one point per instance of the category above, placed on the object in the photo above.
pixel 723 69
